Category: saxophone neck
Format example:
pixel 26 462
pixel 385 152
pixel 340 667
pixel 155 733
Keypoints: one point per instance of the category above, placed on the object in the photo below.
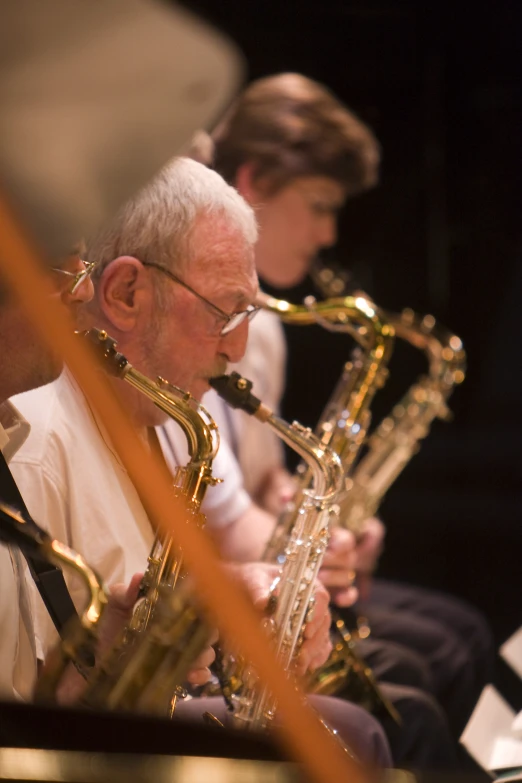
pixel 443 349
pixel 61 555
pixel 79 637
pixel 324 464
pixel 21 530
pixel 354 315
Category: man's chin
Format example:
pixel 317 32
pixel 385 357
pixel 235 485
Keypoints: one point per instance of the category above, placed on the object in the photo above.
pixel 199 388
pixel 45 373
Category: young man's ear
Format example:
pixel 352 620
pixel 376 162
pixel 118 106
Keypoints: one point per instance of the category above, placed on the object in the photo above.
pixel 123 291
pixel 248 184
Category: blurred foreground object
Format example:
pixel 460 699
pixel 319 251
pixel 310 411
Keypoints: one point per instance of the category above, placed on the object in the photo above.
pixel 94 98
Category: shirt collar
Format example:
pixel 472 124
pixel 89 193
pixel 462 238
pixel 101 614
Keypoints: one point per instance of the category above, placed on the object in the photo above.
pixel 14 430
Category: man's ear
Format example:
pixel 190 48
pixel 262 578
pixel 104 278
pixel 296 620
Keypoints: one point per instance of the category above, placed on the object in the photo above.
pixel 124 291
pixel 248 184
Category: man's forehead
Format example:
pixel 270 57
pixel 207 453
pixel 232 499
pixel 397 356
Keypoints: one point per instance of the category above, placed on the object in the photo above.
pixel 239 288
pixel 233 279
pixel 321 186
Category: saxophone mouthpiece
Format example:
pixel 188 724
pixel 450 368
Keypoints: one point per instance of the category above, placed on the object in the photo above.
pixel 237 392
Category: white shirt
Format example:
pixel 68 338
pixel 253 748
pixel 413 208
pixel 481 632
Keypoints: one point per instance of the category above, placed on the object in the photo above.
pixel 17 644
pixel 75 486
pixel 257 448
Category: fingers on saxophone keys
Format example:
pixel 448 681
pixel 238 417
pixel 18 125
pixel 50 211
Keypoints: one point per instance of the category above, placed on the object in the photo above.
pixel 344 596
pixel 313 654
pixel 334 577
pixel 321 657
pixel 198 676
pixel 319 625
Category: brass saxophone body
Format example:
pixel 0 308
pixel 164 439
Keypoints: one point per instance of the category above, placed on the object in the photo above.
pixel 397 438
pixel 343 426
pixel 149 662
pixel 253 705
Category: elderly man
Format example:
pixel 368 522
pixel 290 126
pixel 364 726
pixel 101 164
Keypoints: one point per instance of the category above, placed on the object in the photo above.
pixel 26 363
pixel 175 282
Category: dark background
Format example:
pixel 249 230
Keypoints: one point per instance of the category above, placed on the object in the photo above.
pixel 439 82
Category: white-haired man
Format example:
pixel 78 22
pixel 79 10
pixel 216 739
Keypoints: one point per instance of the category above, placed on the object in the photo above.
pixel 175 283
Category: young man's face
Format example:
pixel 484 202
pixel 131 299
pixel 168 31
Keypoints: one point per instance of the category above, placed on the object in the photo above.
pixel 294 225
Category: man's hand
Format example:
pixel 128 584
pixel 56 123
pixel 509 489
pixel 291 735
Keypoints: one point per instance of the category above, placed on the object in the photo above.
pixel 338 568
pixel 316 646
pixel 370 545
pixel 199 673
pixel 369 548
pixel 278 489
pixel 117 615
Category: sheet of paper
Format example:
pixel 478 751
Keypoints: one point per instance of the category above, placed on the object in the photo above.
pixel 492 719
pixel 516 726
pixel 507 753
pixel 511 652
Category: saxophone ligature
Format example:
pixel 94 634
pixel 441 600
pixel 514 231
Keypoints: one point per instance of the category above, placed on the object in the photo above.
pixel 145 668
pixel 253 705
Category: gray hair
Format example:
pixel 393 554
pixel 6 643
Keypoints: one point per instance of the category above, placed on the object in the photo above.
pixel 157 224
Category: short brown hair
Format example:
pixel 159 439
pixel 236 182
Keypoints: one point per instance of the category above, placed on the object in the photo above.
pixel 289 126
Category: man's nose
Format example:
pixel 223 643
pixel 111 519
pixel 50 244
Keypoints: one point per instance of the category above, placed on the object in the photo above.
pixel 233 344
pixel 327 231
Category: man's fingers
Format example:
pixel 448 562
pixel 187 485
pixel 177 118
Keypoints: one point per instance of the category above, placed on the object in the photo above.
pixel 331 577
pixel 345 596
pixel 123 597
pixel 198 676
pixel 320 624
pixel 207 657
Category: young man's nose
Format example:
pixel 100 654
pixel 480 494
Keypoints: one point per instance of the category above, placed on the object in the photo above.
pixel 327 231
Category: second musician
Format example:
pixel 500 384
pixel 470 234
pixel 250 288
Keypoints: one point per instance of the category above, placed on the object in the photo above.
pixel 296 153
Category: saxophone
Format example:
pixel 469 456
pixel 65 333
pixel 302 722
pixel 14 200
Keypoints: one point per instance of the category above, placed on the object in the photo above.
pixel 253 705
pixel 397 438
pixel 150 660
pixel 346 418
pixel 343 427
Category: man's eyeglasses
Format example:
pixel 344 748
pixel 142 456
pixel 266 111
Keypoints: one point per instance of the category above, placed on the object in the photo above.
pixel 77 278
pixel 232 320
